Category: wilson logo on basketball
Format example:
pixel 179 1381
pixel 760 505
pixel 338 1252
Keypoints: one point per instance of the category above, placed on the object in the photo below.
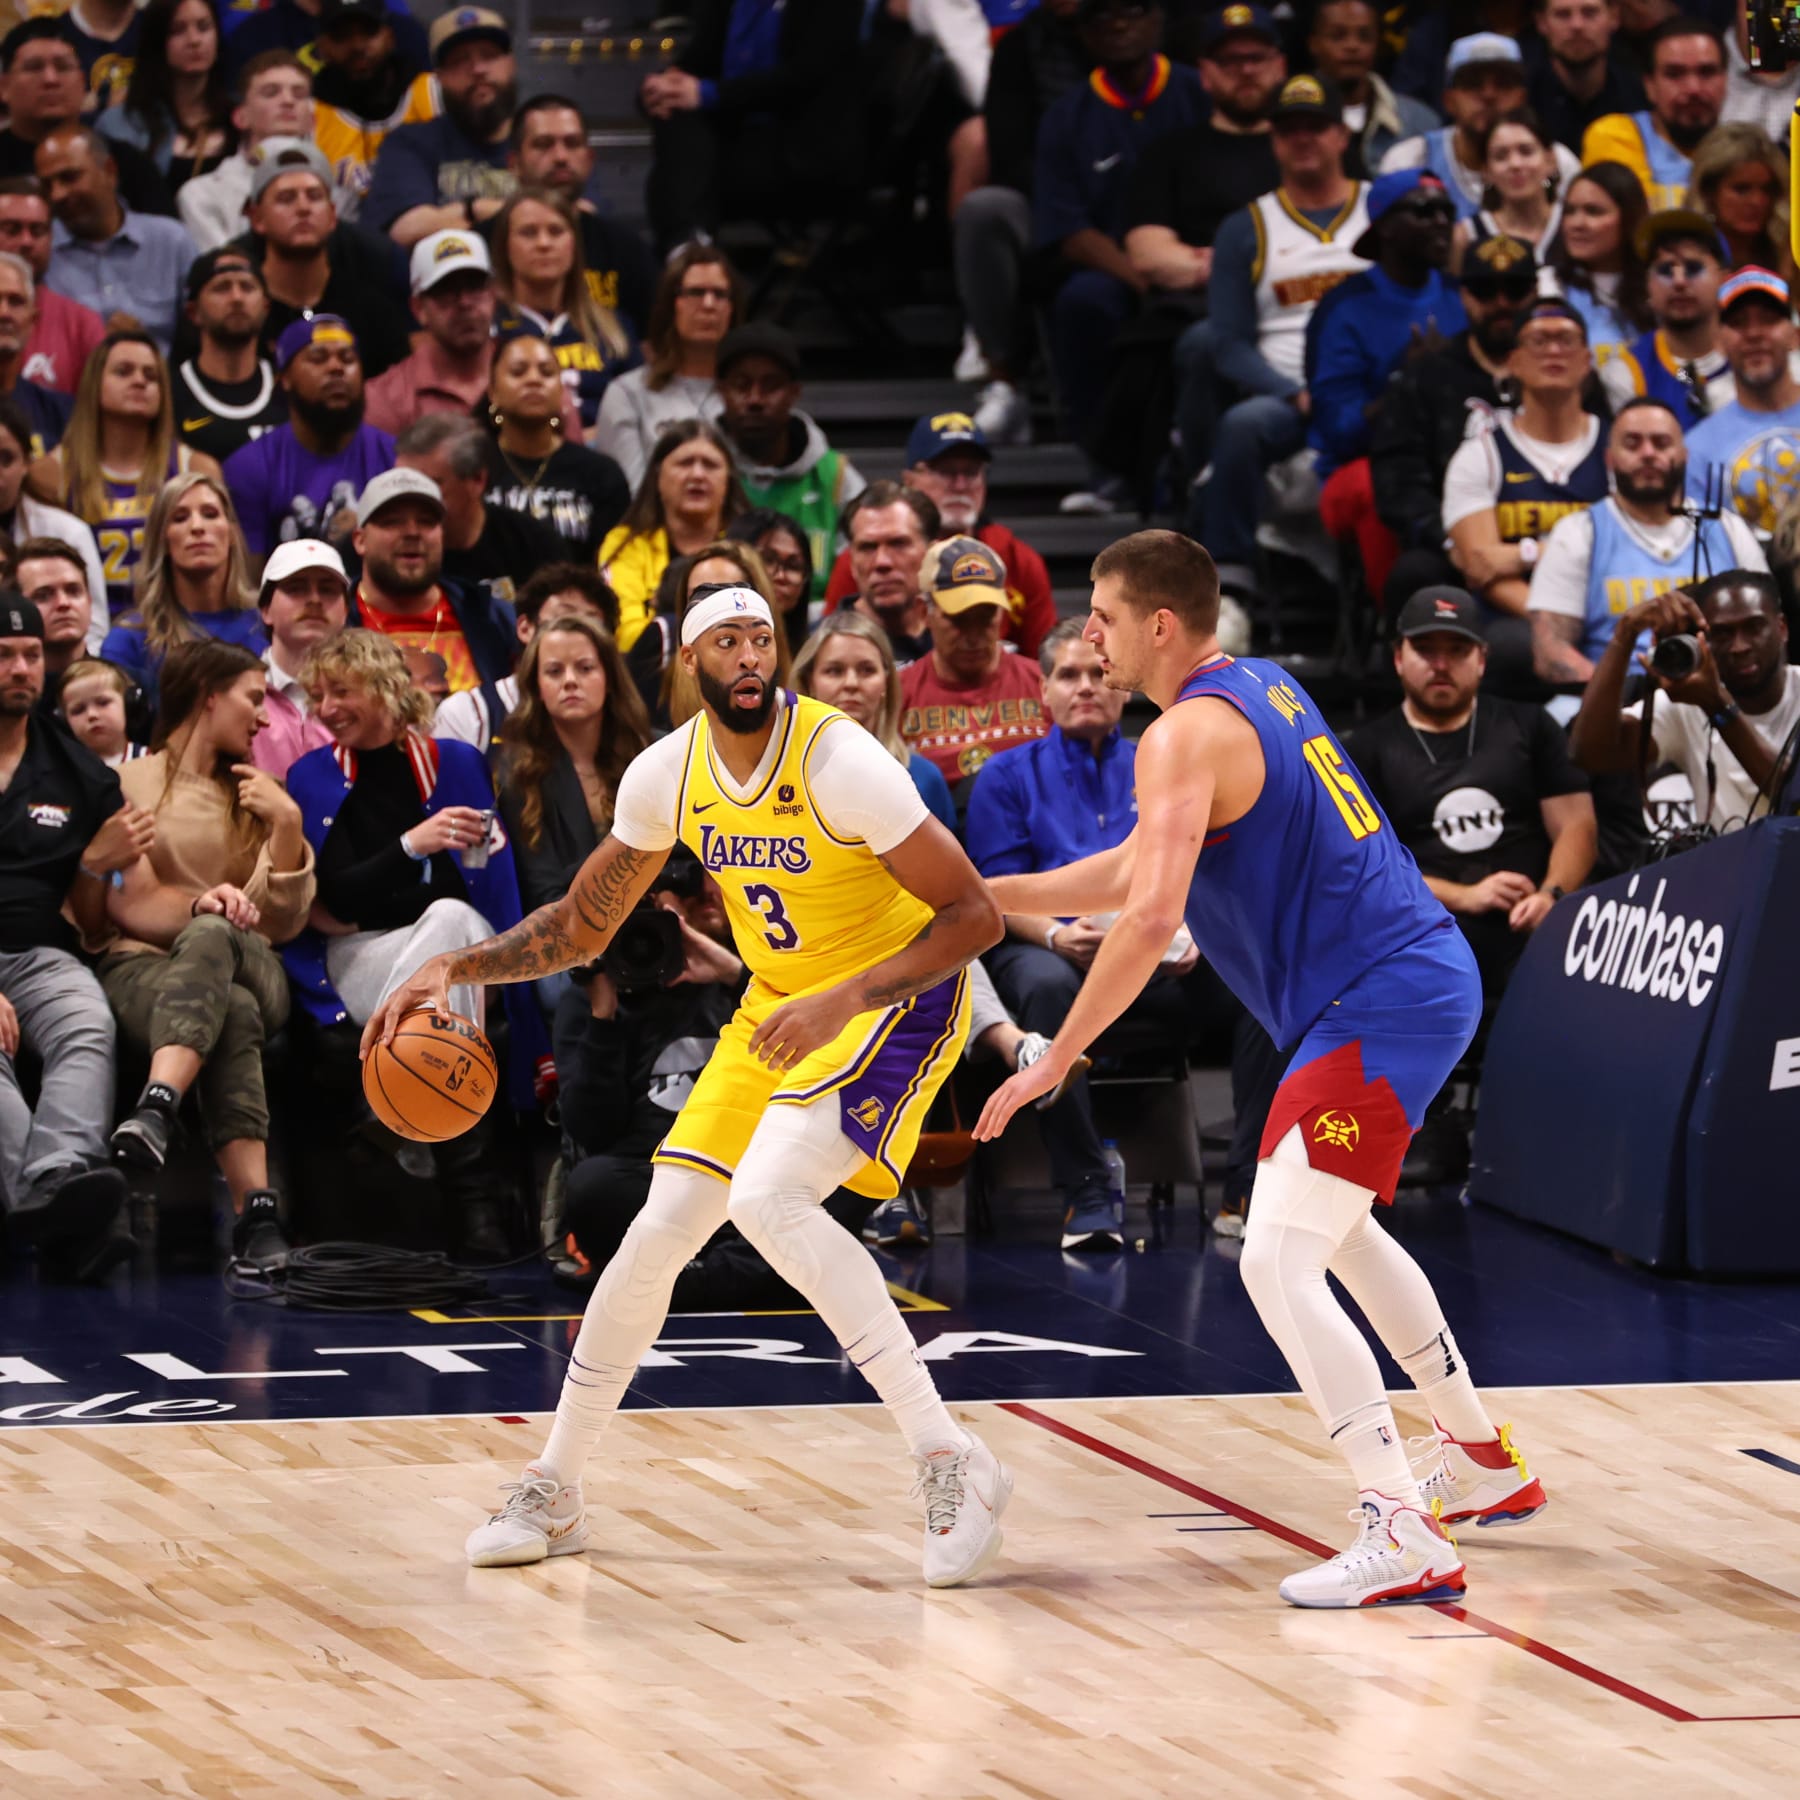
pixel 1338 1130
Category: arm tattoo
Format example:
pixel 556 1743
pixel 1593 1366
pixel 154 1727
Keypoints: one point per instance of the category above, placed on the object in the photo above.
pixel 895 986
pixel 568 932
pixel 1557 646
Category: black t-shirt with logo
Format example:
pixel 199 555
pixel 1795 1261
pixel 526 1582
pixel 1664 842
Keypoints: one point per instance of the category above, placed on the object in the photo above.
pixel 218 417
pixel 59 796
pixel 512 547
pixel 1467 810
pixel 577 492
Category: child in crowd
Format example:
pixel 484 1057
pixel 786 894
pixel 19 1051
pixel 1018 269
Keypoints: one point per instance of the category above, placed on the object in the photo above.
pixel 92 699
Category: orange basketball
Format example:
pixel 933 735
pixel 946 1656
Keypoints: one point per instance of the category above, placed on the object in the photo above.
pixel 434 1080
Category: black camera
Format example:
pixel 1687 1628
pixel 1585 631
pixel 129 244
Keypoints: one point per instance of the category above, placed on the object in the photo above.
pixel 646 951
pixel 1676 658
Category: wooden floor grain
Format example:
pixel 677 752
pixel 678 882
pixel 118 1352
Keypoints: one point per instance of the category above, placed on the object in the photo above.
pixel 246 1610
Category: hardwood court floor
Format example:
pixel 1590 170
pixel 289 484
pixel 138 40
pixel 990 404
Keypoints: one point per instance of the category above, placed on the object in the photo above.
pixel 246 1609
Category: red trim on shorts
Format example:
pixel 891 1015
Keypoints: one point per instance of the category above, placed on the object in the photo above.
pixel 1353 1127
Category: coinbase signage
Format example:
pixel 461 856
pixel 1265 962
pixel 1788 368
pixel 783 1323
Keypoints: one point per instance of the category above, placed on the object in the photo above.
pixel 1644 949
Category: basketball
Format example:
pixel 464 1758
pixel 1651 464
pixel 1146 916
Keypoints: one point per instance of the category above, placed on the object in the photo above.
pixel 434 1080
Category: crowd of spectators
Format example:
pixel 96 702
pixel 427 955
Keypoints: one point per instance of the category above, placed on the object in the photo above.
pixel 356 467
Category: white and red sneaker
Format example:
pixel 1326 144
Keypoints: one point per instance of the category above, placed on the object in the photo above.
pixel 1400 1554
pixel 540 1518
pixel 1479 1484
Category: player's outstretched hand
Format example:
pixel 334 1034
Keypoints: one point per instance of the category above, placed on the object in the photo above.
pixel 427 986
pixel 1019 1090
pixel 796 1028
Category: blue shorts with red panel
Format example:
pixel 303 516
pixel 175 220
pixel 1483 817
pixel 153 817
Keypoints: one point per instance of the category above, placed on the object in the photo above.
pixel 1362 1077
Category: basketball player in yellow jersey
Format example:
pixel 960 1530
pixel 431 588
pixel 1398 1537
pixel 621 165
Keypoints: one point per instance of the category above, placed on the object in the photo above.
pixel 856 913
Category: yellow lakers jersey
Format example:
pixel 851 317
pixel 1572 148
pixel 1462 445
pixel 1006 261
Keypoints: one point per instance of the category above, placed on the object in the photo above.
pixel 349 143
pixel 807 907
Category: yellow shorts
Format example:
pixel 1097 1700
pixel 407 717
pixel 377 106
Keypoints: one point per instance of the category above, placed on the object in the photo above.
pixel 881 1071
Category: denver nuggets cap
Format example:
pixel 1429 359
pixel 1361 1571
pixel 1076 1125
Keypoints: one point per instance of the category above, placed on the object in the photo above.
pixel 1499 261
pixel 962 572
pixel 937 432
pixel 1239 21
pixel 1309 97
pixel 1449 609
pixel 446 253
pixel 312 328
pixel 18 617
pixel 1753 281
pixel 467 22
pixel 397 484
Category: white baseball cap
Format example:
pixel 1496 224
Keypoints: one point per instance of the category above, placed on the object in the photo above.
pixel 447 253
pixel 302 553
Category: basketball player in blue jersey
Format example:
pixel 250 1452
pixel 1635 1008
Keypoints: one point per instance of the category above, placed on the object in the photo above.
pixel 1254 829
pixel 857 913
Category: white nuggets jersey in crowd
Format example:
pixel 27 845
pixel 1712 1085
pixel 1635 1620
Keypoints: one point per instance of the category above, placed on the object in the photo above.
pixel 1297 264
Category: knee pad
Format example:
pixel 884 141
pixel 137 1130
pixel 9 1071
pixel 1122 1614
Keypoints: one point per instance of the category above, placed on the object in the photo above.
pixel 646 1265
pixel 766 1210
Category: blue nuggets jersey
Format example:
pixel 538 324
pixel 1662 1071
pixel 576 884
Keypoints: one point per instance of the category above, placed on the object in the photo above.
pixel 1310 888
pixel 1529 502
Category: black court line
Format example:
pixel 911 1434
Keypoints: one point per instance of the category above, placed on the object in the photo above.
pixel 1774 1461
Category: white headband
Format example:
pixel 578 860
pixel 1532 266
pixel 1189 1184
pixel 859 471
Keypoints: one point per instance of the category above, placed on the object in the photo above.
pixel 729 606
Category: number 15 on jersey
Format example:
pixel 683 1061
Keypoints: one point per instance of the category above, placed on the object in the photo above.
pixel 1353 805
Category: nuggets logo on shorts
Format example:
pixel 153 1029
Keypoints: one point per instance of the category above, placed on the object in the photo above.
pixel 867 1113
pixel 1339 1130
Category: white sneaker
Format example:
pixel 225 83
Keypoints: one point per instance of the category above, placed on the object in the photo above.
pixel 971 360
pixel 539 1519
pixel 965 1493
pixel 1399 1554
pixel 1482 1484
pixel 1003 414
pixel 1032 1047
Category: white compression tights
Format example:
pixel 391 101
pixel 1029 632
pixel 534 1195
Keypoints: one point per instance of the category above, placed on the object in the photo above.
pixel 1303 1223
pixel 797 1156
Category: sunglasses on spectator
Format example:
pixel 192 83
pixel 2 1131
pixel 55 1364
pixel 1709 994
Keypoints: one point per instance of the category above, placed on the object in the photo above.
pixel 1693 267
pixel 1484 287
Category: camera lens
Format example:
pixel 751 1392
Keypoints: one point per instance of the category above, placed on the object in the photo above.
pixel 1676 658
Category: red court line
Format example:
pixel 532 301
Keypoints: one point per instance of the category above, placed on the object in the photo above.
pixel 1450 1609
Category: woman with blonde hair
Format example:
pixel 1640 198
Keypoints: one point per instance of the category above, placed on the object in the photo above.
pixel 689 493
pixel 698 300
pixel 117 451
pixel 193 580
pixel 192 976
pixel 410 864
pixel 1739 180
pixel 540 276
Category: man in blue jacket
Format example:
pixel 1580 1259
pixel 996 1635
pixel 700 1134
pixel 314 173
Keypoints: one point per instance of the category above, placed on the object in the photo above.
pixel 1360 334
pixel 1041 806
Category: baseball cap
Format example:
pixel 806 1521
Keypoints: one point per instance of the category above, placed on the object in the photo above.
pixel 1553 306
pixel 962 572
pixel 314 328
pixel 1309 97
pixel 1679 222
pixel 1481 50
pixel 937 432
pixel 217 262
pixel 397 484
pixel 466 22
pixel 1450 609
pixel 1238 21
pixel 302 553
pixel 1387 191
pixel 446 253
pixel 18 617
pixel 1497 261
pixel 759 338
pixel 333 12
pixel 278 156
pixel 1754 281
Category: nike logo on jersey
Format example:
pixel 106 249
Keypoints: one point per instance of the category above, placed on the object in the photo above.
pixel 1107 162
pixel 196 424
pixel 1520 475
pixel 707 807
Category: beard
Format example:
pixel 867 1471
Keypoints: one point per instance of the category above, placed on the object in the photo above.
pixel 404 587
pixel 1496 338
pixel 18 702
pixel 327 421
pixel 1651 493
pixel 481 122
pixel 726 710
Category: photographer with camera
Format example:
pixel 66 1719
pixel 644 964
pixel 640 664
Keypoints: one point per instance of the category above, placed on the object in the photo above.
pixel 1637 542
pixel 631 1037
pixel 1729 698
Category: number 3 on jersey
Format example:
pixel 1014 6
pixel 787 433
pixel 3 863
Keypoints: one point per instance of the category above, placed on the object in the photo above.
pixel 779 928
pixel 1352 803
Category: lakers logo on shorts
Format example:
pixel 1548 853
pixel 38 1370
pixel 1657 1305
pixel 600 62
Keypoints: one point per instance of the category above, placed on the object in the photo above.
pixel 867 1113
pixel 1339 1130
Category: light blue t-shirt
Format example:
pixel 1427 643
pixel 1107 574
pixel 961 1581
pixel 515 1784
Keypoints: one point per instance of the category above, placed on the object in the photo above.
pixel 1759 453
